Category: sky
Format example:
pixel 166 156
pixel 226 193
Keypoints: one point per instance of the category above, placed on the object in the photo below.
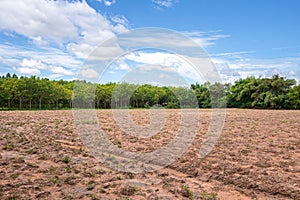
pixel 54 39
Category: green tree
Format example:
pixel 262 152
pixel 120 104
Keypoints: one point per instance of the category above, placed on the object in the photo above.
pixel 202 93
pixel 294 97
pixel 8 88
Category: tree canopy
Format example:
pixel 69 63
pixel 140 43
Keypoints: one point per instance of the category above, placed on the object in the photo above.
pixel 41 93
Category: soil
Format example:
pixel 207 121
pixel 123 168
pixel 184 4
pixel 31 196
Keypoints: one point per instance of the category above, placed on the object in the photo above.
pixel 256 157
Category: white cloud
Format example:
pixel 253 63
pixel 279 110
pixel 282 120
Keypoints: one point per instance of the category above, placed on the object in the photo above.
pixel 30 67
pixel 66 32
pixel 72 23
pixel 14 55
pixel 233 54
pixel 61 71
pixel 34 18
pixel 119 65
pixel 39 41
pixel 57 20
pixel 34 67
pixel 286 47
pixel 28 71
pixel 88 74
pixel 292 73
pixel 75 28
pixel 205 39
pixel 232 68
pixel 107 2
pixel 124 66
pixel 54 76
pixel 167 60
pixel 31 63
pixel 80 50
pixel 120 19
pixel 185 42
pixel 159 4
pixel 108 51
pixel 157 75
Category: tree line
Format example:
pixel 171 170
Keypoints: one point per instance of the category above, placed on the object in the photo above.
pixel 41 93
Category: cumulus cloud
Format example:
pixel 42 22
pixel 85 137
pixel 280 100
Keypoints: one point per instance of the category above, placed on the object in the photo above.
pixel 108 51
pixel 89 73
pixel 61 71
pixel 169 61
pixel 34 18
pixel 123 66
pixel 107 2
pixel 235 65
pixel 120 19
pixel 28 71
pixel 30 67
pixel 81 50
pixel 16 55
pixel 64 34
pixel 57 20
pixel 74 23
pixel 34 67
pixel 39 41
pixel 230 66
pixel 76 28
pixel 30 63
pixel 156 75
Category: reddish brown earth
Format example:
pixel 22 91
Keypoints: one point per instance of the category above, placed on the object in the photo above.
pixel 256 157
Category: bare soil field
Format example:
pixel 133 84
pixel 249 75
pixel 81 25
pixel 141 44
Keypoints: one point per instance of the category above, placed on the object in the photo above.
pixel 256 157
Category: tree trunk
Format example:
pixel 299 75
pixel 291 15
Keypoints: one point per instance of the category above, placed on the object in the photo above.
pixel 20 103
pixel 40 103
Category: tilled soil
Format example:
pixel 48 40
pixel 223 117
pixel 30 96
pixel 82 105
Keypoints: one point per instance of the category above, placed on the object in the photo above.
pixel 256 157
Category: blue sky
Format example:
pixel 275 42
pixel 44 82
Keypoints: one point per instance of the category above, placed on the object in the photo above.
pixel 54 38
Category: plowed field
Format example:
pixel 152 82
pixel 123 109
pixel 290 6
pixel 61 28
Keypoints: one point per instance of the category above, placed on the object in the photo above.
pixel 256 157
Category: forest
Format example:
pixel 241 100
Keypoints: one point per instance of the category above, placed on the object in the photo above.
pixel 41 93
